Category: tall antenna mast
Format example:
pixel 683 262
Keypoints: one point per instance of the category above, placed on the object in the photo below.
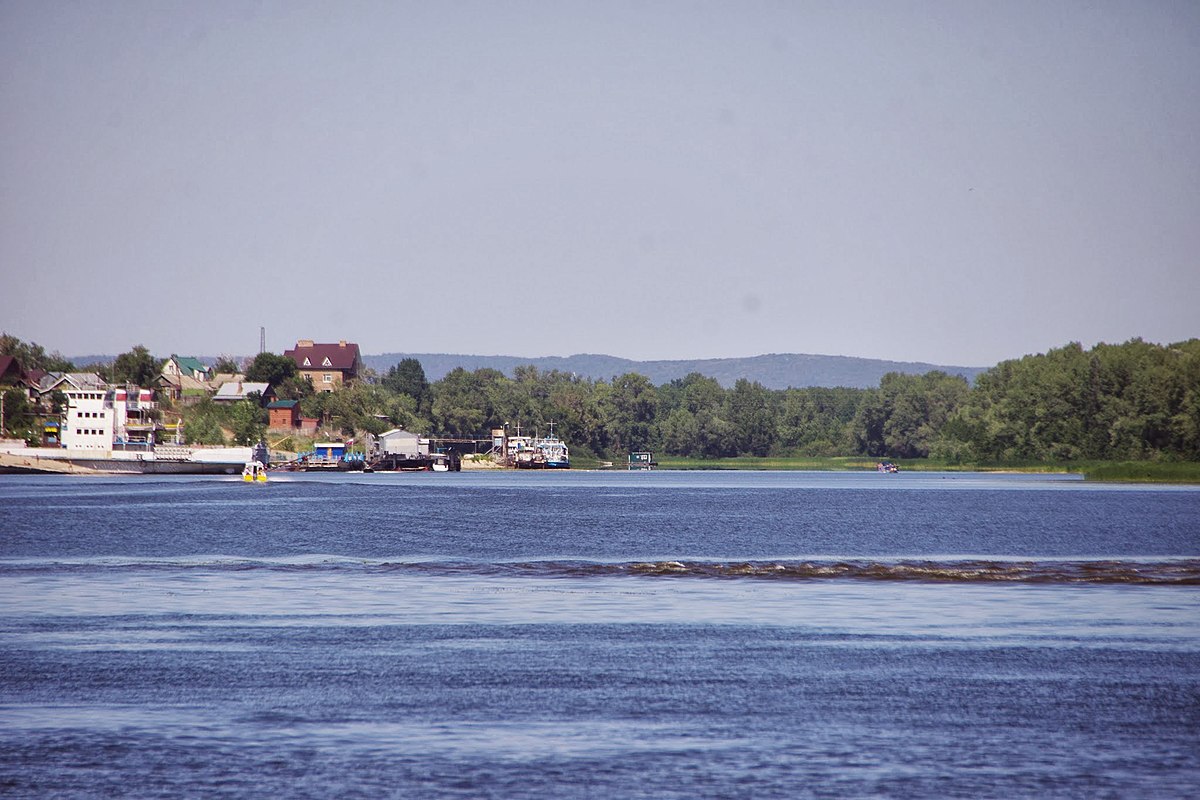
pixel 262 339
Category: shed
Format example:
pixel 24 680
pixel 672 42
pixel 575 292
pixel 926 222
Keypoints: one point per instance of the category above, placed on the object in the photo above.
pixel 398 441
pixel 283 415
pixel 331 451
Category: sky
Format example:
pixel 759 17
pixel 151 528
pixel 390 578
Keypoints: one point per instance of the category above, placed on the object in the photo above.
pixel 951 182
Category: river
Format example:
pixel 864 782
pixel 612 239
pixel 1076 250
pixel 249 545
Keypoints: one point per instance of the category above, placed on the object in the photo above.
pixel 599 634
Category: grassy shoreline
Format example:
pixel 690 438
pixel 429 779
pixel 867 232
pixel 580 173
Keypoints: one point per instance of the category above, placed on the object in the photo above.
pixel 1112 471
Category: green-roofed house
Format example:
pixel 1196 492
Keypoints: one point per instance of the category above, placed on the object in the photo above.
pixel 184 376
pixel 187 365
pixel 283 415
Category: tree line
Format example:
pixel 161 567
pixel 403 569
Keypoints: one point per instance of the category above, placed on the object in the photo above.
pixel 1130 401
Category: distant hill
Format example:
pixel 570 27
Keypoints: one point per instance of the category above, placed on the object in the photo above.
pixel 774 371
pixel 84 362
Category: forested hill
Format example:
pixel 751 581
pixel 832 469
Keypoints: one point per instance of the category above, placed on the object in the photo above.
pixel 775 371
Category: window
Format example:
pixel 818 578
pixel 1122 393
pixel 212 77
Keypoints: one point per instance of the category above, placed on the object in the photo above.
pixel 328 378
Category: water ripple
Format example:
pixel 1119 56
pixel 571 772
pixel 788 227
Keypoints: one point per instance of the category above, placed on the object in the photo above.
pixel 1158 572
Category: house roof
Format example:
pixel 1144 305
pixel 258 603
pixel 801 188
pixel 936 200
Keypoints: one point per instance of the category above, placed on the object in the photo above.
pixel 10 369
pixel 342 356
pixel 222 378
pixel 33 377
pixel 74 380
pixel 399 433
pixel 191 364
pixel 283 404
pixel 183 382
pixel 237 390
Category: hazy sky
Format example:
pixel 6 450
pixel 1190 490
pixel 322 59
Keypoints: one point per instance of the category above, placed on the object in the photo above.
pixel 953 182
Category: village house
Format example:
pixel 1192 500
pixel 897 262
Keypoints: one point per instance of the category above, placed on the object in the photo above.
pixel 69 383
pixel 284 415
pixel 327 366
pixel 12 375
pixel 186 365
pixel 233 391
pixel 10 371
pixel 184 376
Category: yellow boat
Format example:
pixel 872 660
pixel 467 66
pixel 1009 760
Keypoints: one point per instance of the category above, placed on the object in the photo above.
pixel 254 471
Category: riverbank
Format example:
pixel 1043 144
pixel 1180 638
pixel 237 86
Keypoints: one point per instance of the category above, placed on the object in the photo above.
pixel 1112 471
pixel 26 463
pixel 1187 472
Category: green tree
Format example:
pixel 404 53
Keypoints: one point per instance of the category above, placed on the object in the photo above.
pixel 1129 401
pixel 204 421
pixel 296 387
pixel 574 404
pixel 33 356
pixel 408 377
pixel 460 402
pixel 709 433
pixel 631 407
pixel 679 433
pixel 358 407
pixel 247 419
pixel 270 368
pixel 227 365
pixel 816 421
pixel 753 413
pixel 137 367
pixel 18 414
pixel 906 414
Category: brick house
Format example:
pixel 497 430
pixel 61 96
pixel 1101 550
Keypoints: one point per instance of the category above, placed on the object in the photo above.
pixel 284 415
pixel 328 366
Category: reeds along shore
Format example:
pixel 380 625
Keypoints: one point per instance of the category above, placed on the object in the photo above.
pixel 1132 471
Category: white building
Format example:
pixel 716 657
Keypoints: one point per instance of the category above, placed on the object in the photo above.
pixel 99 417
pixel 88 422
pixel 401 442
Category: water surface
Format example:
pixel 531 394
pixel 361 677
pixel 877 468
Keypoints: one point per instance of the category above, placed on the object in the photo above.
pixel 599 635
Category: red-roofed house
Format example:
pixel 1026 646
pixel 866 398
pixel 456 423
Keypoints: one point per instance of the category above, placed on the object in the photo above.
pixel 328 366
pixel 10 371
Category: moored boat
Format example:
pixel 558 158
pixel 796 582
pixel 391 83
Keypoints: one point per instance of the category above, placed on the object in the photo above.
pixel 555 452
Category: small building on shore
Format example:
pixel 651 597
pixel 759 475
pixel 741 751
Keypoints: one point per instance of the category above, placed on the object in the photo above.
pixel 283 415
pixel 399 442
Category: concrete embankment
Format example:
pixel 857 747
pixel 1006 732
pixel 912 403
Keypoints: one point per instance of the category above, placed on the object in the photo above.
pixel 481 463
pixel 26 461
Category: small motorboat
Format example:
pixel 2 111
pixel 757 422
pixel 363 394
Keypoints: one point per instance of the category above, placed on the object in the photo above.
pixel 254 471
